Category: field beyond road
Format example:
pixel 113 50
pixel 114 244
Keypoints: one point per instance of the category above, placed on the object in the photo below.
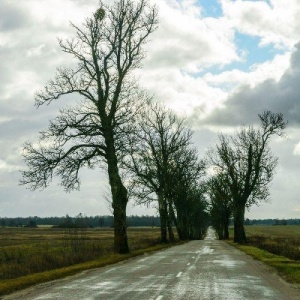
pixel 279 240
pixel 274 231
pixel 33 255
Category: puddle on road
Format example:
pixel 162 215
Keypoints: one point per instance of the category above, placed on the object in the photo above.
pixel 227 262
pixel 210 235
pixel 206 250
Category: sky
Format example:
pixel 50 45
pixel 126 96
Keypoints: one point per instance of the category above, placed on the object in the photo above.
pixel 219 63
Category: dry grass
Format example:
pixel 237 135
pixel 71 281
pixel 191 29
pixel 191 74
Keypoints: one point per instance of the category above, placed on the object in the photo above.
pixel 279 240
pixel 32 255
pixel 286 232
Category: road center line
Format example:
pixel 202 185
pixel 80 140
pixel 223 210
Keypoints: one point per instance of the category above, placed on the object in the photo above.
pixel 179 274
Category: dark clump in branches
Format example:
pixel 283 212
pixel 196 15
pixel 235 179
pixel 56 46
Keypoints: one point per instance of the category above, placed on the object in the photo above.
pixel 94 133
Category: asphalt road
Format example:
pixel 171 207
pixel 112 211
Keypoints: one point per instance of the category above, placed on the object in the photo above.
pixel 208 269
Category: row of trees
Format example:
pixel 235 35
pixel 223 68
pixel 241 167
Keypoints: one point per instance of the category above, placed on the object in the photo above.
pixel 145 149
pixel 164 167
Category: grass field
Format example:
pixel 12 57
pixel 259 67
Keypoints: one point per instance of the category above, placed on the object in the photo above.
pixel 32 255
pixel 279 240
pixel 286 231
pixel 277 246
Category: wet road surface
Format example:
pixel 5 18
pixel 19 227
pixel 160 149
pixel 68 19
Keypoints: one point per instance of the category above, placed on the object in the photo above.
pixel 208 269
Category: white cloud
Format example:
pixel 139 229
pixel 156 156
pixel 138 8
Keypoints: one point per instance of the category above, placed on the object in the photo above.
pixel 181 91
pixel 277 23
pixel 35 51
pixel 5 167
pixel 56 14
pixel 185 41
pixel 297 149
pixel 272 69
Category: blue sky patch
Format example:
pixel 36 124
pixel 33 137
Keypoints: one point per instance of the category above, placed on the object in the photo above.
pixel 247 45
pixel 250 52
pixel 211 8
pixel 253 53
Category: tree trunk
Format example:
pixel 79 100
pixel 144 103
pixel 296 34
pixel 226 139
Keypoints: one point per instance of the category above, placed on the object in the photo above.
pixel 220 233
pixel 226 232
pixel 173 217
pixel 181 221
pixel 226 226
pixel 163 213
pixel 120 228
pixel 239 230
pixel 119 203
pixel 170 229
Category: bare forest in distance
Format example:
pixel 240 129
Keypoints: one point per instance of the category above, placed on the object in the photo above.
pixel 81 221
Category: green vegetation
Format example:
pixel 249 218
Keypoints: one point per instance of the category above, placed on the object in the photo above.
pixel 33 255
pixel 277 246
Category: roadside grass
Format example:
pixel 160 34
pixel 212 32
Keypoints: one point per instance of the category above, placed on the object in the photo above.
pixel 286 268
pixel 32 256
pixel 276 246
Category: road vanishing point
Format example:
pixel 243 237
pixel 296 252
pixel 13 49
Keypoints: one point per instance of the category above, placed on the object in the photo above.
pixel 200 270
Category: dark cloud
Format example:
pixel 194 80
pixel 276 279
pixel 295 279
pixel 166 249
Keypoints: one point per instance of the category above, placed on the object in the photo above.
pixel 243 106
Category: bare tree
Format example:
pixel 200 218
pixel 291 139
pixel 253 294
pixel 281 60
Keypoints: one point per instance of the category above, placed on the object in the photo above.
pixel 248 165
pixel 161 134
pixel 185 192
pixel 165 168
pixel 220 204
pixel 107 48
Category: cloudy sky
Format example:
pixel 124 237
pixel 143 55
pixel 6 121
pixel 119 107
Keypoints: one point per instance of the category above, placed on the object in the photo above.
pixel 217 62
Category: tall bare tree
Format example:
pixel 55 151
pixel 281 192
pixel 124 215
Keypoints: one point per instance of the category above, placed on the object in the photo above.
pixel 246 161
pixel 165 168
pixel 160 136
pixel 107 48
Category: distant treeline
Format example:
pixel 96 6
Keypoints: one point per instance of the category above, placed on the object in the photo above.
pixel 78 221
pixel 272 222
pixel 107 221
